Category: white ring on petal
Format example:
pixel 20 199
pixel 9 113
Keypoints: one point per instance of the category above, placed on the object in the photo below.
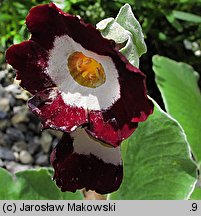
pixel 74 94
pixel 85 145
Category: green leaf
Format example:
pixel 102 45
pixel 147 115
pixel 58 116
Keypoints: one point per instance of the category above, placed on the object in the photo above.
pixel 196 195
pixel 178 85
pixel 8 187
pixel 157 163
pixel 112 30
pixel 127 19
pixel 126 31
pixel 4 17
pixel 174 22
pixel 185 16
pixel 17 39
pixel 32 185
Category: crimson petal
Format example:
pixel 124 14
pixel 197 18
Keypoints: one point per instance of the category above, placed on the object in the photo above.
pixel 76 171
pixel 45 22
pixel 49 106
pixel 30 61
pixel 107 128
pixel 121 119
pixel 30 58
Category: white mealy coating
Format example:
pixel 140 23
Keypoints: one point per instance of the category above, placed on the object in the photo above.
pixel 74 94
pixel 85 145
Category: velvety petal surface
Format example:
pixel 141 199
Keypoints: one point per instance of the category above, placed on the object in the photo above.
pixel 75 170
pixel 106 128
pixel 47 21
pixel 30 61
pixel 133 103
pixel 121 119
pixel 49 106
pixel 38 71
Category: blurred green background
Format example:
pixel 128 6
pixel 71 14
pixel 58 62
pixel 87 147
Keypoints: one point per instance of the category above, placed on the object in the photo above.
pixel 171 28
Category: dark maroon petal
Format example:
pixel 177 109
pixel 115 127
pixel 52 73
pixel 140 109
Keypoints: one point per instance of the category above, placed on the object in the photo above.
pixel 121 119
pixel 30 61
pixel 49 106
pixel 106 127
pixel 134 103
pixel 45 22
pixel 76 171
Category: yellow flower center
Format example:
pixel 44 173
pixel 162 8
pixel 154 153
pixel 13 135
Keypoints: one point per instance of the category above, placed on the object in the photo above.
pixel 85 70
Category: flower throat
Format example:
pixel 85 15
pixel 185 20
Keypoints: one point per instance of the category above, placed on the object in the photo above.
pixel 86 71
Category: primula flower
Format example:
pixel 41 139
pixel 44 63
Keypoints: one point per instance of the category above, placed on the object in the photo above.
pixel 78 77
pixel 83 162
pixel 80 81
